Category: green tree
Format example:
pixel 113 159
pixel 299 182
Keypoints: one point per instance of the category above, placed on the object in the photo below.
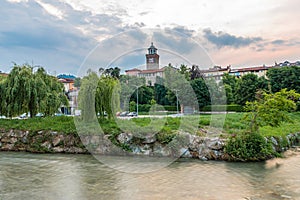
pixel 270 109
pixel 247 87
pixel 201 90
pixel 86 97
pixel 107 96
pixel 34 92
pixel 284 77
pixel 77 82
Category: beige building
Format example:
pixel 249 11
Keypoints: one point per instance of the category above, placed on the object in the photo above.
pixel 260 71
pixel 152 67
pixel 215 72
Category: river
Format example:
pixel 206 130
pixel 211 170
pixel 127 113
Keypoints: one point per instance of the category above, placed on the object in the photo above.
pixel 58 176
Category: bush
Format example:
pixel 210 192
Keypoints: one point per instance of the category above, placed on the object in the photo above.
pixel 249 147
pixel 223 108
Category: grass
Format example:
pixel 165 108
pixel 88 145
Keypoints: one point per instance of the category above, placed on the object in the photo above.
pixel 60 124
pixel 233 124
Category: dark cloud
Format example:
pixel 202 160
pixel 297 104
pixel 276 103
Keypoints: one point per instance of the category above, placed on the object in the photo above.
pixel 183 30
pixel 29 33
pixel 278 42
pixel 175 41
pixel 222 39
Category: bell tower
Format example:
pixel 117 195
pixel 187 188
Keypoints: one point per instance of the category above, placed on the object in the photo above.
pixel 152 58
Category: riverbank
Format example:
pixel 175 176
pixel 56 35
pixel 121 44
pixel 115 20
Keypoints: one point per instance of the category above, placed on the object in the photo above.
pixel 183 145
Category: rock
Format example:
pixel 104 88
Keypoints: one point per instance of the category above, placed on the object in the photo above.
pixel 274 141
pixel 24 139
pixel 7 147
pixel 13 140
pixel 47 145
pixel 185 153
pixel 148 139
pixel 124 138
pixel 203 158
pixel 285 196
pixel 74 150
pixel 57 140
pixel 215 144
pixel 58 149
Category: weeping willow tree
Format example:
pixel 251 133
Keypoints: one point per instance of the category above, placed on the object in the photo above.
pixel 2 95
pixel 107 96
pixel 86 96
pixel 26 91
pixel 99 95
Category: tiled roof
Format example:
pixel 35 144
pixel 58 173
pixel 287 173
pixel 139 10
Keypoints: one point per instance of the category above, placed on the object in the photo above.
pixel 250 69
pixel 133 70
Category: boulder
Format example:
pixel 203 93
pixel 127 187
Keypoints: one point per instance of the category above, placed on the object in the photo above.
pixel 149 139
pixel 57 140
pixel 124 138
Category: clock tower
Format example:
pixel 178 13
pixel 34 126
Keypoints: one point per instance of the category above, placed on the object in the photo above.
pixel 152 58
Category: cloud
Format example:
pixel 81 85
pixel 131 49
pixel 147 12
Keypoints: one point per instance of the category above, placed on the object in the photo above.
pixel 278 42
pixel 184 30
pixel 29 32
pixel 222 39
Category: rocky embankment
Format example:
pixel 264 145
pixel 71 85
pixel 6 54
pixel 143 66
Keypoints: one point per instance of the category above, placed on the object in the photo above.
pixel 183 145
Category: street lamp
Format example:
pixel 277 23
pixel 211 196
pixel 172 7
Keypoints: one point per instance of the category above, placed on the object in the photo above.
pixel 176 91
pixel 137 98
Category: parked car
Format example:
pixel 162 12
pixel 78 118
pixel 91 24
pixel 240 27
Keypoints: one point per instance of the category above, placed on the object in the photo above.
pixel 124 114
pixel 58 114
pixel 39 115
pixel 23 116
pixel 132 114
pixel 2 117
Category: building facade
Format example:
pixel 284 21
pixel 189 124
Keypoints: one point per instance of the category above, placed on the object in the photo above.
pixel 152 67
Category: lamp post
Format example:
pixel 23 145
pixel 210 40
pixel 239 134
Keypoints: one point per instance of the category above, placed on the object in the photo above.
pixel 176 91
pixel 137 99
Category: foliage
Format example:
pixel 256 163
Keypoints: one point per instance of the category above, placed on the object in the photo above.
pixel 25 91
pixel 249 147
pixel 112 72
pixel 230 83
pixel 284 77
pixel 201 90
pixel 224 108
pixel 247 87
pixel 77 82
pixel 98 95
pixel 270 109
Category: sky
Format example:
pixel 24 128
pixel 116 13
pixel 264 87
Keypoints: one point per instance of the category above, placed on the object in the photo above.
pixel 70 36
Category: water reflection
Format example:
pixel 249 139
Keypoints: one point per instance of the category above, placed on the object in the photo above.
pixel 41 176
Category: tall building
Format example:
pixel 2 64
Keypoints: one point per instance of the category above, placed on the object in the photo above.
pixel 152 67
pixel 152 58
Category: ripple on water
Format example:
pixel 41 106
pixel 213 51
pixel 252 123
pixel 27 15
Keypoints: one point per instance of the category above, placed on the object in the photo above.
pixel 48 176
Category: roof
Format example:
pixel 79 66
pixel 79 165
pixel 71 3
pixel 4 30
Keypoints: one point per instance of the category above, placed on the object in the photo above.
pixel 152 46
pixel 250 69
pixel 66 76
pixel 66 80
pixel 215 69
pixel 152 70
pixel 133 70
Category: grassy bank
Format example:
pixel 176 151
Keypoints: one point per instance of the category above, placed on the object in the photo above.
pixel 233 124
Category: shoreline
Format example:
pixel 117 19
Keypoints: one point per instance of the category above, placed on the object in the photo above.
pixel 126 144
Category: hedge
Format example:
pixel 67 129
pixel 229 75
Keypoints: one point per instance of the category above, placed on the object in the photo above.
pixel 146 108
pixel 223 108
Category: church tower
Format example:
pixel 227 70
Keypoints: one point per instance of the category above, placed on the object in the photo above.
pixel 152 58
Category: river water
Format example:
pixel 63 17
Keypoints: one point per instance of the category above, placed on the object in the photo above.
pixel 57 176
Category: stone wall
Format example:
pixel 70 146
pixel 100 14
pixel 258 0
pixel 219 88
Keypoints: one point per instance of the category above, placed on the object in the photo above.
pixel 184 145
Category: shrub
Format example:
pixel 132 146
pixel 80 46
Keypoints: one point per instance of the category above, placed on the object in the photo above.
pixel 249 147
pixel 223 108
